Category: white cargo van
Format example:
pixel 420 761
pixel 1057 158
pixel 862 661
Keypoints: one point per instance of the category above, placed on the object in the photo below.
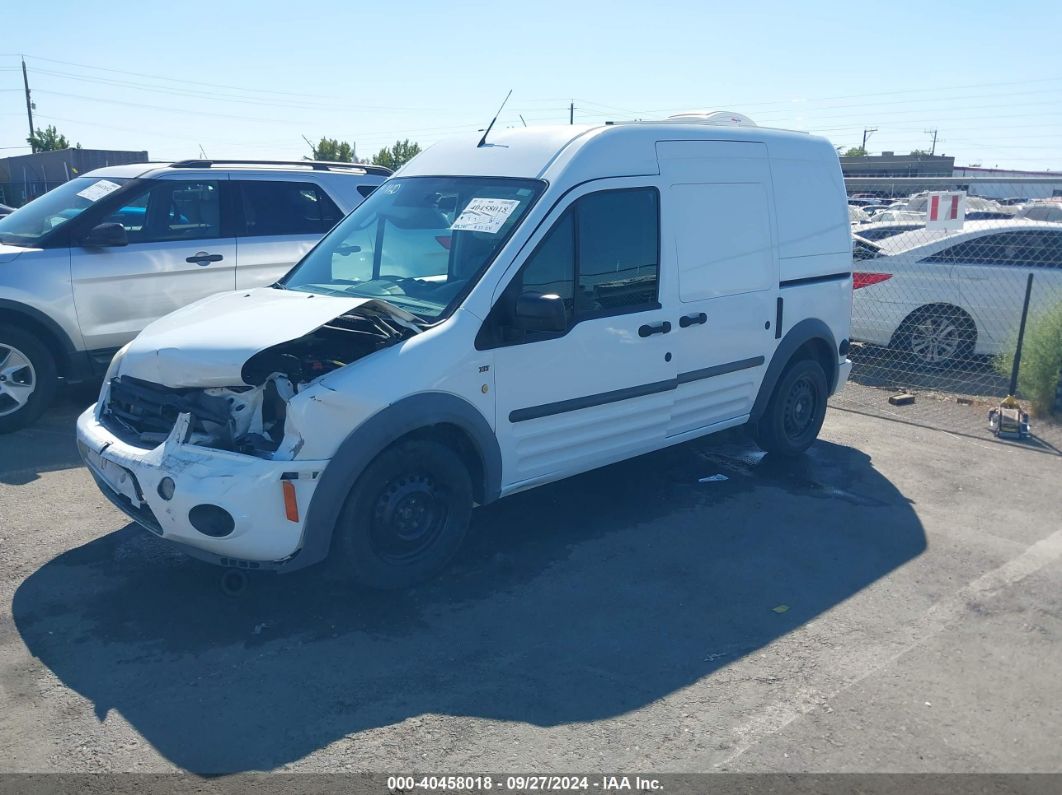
pixel 500 314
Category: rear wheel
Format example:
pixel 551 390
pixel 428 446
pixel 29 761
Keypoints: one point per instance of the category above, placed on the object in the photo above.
pixel 938 336
pixel 406 516
pixel 27 378
pixel 795 411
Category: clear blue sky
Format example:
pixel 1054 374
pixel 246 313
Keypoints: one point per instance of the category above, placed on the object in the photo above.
pixel 246 79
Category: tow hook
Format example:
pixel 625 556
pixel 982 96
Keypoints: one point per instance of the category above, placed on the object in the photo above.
pixel 233 582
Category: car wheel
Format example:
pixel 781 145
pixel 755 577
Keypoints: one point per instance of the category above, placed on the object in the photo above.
pixel 938 336
pixel 406 516
pixel 795 411
pixel 27 378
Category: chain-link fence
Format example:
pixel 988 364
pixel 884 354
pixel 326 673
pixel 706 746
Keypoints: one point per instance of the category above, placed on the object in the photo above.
pixel 940 279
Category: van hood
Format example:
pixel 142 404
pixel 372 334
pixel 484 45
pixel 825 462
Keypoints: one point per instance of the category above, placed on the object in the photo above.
pixel 8 253
pixel 207 344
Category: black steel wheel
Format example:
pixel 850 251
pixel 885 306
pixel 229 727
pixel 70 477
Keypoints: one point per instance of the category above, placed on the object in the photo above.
pixel 406 516
pixel 795 411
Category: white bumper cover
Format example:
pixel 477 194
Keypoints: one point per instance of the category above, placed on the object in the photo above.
pixel 248 488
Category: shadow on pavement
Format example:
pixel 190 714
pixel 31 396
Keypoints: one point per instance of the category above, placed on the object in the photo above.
pixel 574 602
pixel 48 444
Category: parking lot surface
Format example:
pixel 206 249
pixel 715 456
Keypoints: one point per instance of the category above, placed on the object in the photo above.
pixel 893 602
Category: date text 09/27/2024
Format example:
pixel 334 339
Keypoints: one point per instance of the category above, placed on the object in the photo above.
pixel 522 783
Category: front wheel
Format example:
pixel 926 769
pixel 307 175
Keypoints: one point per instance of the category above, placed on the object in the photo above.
pixel 406 516
pixel 27 378
pixel 795 411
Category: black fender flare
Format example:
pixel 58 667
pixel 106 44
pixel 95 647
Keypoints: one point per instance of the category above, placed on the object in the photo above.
pixel 803 332
pixel 369 439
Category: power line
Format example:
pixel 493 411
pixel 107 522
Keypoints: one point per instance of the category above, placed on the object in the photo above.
pixel 170 79
pixel 196 94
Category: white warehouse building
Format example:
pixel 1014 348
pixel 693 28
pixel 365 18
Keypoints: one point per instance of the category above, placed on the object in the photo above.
pixel 1008 186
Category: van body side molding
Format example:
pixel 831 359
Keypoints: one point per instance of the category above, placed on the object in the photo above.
pixel 616 395
pixel 831 277
pixel 600 399
pixel 720 369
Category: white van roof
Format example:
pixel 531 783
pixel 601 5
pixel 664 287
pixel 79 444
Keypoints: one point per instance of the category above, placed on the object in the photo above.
pixel 595 151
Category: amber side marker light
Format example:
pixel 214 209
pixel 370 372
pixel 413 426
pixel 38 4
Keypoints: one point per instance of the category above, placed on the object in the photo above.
pixel 291 502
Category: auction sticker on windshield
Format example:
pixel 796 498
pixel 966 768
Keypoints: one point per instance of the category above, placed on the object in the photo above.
pixel 485 215
pixel 97 190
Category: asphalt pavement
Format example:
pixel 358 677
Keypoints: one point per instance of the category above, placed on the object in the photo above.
pixel 892 602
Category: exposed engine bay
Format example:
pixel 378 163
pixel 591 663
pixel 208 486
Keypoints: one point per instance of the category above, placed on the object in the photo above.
pixel 250 418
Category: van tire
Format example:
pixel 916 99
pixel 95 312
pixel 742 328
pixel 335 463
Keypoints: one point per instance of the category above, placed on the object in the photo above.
pixel 405 517
pixel 20 347
pixel 795 411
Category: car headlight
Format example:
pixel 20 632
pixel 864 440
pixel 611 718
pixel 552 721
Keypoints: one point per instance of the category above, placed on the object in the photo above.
pixel 112 371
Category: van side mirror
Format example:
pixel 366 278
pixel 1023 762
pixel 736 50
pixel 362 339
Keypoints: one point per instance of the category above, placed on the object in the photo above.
pixel 105 235
pixel 537 312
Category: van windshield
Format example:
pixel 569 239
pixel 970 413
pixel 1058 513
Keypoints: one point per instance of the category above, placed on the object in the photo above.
pixel 418 243
pixel 28 225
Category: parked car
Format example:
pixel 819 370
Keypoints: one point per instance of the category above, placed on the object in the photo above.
pixel 900 217
pixel 1042 211
pixel 607 291
pixel 857 215
pixel 919 202
pixel 879 230
pixel 86 266
pixel 944 297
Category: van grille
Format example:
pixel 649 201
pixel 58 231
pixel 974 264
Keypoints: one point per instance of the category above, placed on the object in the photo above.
pixel 149 411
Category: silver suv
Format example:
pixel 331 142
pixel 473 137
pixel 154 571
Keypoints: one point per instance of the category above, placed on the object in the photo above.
pixel 86 266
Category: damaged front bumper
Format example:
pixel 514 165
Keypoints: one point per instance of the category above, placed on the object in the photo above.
pixel 265 500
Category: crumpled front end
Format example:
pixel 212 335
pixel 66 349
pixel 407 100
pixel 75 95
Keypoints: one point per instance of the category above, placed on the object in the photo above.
pixel 238 398
pixel 241 510
pixel 217 467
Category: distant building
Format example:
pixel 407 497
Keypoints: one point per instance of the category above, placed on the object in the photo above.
pixel 25 177
pixel 889 164
pixel 1006 188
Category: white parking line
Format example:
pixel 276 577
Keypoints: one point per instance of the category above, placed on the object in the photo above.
pixel 774 717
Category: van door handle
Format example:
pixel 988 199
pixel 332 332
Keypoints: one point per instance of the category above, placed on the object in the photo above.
pixel 696 319
pixel 202 258
pixel 649 329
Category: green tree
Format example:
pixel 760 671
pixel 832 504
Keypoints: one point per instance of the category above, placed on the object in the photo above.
pixel 856 151
pixel 48 140
pixel 396 156
pixel 919 153
pixel 333 150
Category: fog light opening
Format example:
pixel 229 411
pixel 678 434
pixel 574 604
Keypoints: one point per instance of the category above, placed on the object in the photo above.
pixel 211 520
pixel 166 488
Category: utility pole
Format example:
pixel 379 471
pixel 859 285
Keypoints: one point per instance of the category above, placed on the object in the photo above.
pixel 571 113
pixel 867 132
pixel 29 105
pixel 933 150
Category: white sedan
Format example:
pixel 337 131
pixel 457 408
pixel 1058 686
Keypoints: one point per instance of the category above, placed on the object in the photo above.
pixel 943 297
